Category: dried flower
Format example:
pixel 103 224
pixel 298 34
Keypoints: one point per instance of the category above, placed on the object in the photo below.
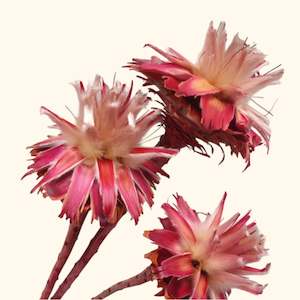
pixel 205 259
pixel 102 164
pixel 211 99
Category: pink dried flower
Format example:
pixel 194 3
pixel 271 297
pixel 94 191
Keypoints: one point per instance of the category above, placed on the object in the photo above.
pixel 94 165
pixel 210 100
pixel 205 259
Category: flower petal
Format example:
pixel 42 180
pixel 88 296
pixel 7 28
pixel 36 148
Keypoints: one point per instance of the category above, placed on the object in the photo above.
pixel 223 262
pixel 179 288
pixel 246 270
pixel 81 183
pixel 128 192
pixel 143 185
pixel 68 160
pixel 166 239
pixel 108 186
pixel 179 266
pixel 200 286
pixel 181 225
pixel 216 114
pixel 58 188
pixel 96 201
pixel 196 86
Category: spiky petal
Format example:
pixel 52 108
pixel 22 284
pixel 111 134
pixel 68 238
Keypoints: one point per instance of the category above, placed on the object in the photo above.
pixel 205 259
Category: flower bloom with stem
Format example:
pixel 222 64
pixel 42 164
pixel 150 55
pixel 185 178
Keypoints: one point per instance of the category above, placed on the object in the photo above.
pixel 98 165
pixel 101 163
pixel 201 259
pixel 212 99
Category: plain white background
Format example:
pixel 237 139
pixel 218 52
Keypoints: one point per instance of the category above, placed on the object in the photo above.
pixel 47 44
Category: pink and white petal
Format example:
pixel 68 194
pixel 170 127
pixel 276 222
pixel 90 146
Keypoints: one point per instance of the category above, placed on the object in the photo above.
pixel 108 186
pixel 57 188
pixel 200 283
pixel 50 142
pixel 226 225
pixel 179 288
pixel 128 192
pixel 169 69
pixel 238 225
pixel 81 183
pixel 196 86
pixel 183 228
pixel 160 151
pixel 96 201
pixel 229 280
pixel 65 126
pixel 173 56
pixel 246 270
pixel 166 239
pixel 254 84
pixel 69 159
pixel 179 266
pixel 223 262
pixel 48 157
pixel 213 221
pixel 189 214
pixel 216 114
pixel 143 185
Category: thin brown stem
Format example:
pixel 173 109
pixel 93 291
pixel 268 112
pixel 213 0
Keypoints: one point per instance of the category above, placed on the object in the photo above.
pixel 138 279
pixel 70 239
pixel 90 251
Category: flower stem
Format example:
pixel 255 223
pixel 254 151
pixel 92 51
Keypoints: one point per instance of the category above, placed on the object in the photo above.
pixel 90 251
pixel 71 237
pixel 138 279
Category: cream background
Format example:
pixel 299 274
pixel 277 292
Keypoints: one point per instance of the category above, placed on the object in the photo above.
pixel 47 44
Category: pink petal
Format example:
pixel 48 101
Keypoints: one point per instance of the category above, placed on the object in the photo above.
pixel 181 225
pixel 166 239
pixel 45 158
pixel 196 86
pixel 216 114
pixel 214 220
pixel 171 83
pixel 163 68
pixel 158 150
pixel 172 56
pixel 230 280
pixel 226 225
pixel 179 265
pixel 200 286
pixel 68 160
pixel 108 186
pixel 179 288
pixel 143 185
pixel 128 192
pixel 57 188
pixel 223 262
pixel 96 201
pixel 81 183
pixel 65 126
pixel 189 214
pixel 255 84
pixel 253 271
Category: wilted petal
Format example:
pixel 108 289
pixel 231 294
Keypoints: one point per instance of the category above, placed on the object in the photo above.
pixel 179 288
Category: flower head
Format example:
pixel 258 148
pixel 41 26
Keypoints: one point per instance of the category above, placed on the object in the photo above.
pixel 205 259
pixel 100 164
pixel 211 99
